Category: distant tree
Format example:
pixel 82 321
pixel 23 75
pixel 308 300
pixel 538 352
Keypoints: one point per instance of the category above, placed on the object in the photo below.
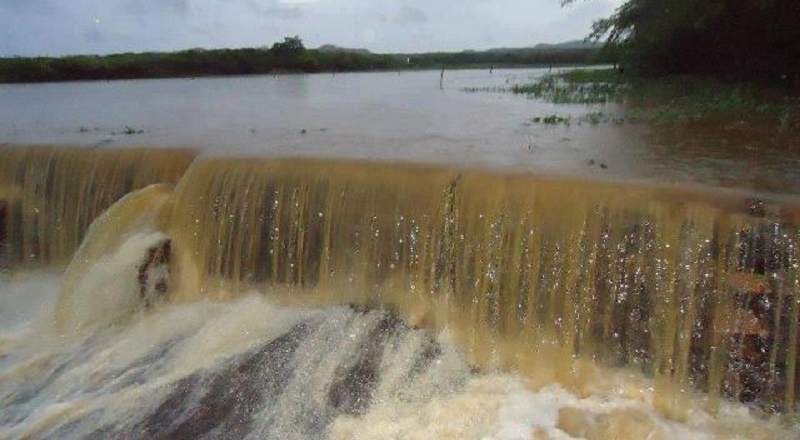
pixel 290 47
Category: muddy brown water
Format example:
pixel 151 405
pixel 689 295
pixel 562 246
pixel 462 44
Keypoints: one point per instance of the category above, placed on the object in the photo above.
pixel 406 116
pixel 688 293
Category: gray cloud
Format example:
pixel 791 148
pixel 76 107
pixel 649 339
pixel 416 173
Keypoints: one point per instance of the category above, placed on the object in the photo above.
pixel 94 35
pixel 49 27
pixel 410 15
pixel 139 7
pixel 27 5
pixel 275 9
pixel 285 13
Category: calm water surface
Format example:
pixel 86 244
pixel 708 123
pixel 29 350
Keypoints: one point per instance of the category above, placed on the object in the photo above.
pixel 408 116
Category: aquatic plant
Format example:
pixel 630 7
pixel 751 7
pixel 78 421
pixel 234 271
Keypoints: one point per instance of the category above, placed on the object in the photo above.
pixel 130 130
pixel 594 118
pixel 551 119
pixel 561 90
pixel 586 76
pixel 665 100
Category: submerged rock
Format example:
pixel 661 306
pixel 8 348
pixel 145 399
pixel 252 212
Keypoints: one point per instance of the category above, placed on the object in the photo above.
pixel 153 274
pixel 291 385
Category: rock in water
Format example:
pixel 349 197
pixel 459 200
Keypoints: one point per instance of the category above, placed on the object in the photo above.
pixel 121 266
pixel 154 273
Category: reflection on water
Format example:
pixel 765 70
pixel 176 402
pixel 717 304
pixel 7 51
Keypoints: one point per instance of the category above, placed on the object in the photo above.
pixel 397 116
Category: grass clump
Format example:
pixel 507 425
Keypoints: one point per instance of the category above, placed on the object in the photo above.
pixel 128 130
pixel 484 89
pixel 551 120
pixel 593 76
pixel 560 90
pixel 667 100
pixel 594 118
pixel 687 99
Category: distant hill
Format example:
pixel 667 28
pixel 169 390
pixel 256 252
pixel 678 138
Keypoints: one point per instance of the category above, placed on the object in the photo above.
pixel 574 44
pixel 330 48
pixel 567 45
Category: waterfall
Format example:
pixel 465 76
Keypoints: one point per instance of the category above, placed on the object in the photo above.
pixel 603 288
pixel 50 195
pixel 543 276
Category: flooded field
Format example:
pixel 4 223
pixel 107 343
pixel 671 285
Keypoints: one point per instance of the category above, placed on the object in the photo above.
pixel 408 116
pixel 507 268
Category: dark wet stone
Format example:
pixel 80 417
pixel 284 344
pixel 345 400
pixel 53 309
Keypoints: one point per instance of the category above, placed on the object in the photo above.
pixel 430 353
pixel 226 402
pixel 209 404
pixel 153 273
pixel 352 391
pixel 266 392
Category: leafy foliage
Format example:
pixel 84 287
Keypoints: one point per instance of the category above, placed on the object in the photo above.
pixel 755 38
pixel 290 47
pixel 289 55
pixel 559 89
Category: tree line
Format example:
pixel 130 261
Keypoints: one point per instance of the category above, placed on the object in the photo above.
pixel 285 56
pixel 751 39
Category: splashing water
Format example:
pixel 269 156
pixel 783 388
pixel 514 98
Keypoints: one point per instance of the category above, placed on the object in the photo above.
pixel 250 368
pixel 375 301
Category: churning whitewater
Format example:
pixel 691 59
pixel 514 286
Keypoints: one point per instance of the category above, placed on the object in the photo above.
pixel 249 368
pixel 292 299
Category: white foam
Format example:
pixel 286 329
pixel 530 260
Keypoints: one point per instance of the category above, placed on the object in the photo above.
pixel 26 298
pixel 442 403
pixel 234 328
pixel 109 292
pixel 502 407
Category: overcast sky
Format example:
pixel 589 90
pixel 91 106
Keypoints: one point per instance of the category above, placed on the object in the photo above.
pixel 60 27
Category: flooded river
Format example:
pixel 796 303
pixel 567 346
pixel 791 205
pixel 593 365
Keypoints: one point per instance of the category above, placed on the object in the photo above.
pixel 268 283
pixel 391 116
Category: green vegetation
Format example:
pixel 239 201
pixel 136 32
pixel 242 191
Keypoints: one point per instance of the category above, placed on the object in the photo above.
pixel 756 40
pixel 551 120
pixel 289 55
pixel 484 89
pixel 561 89
pixel 685 98
pixel 591 76
pixel 128 130
pixel 672 99
pixel 580 86
pixel 507 58
pixel 594 118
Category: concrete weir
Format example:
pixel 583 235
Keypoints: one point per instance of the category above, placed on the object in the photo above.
pixel 559 280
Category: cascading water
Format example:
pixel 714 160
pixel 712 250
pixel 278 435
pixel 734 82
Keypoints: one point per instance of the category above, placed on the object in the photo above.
pixel 393 302
pixel 50 195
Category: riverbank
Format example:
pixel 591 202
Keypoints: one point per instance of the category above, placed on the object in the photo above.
pixel 710 122
pixel 404 117
pixel 250 61
pixel 670 99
